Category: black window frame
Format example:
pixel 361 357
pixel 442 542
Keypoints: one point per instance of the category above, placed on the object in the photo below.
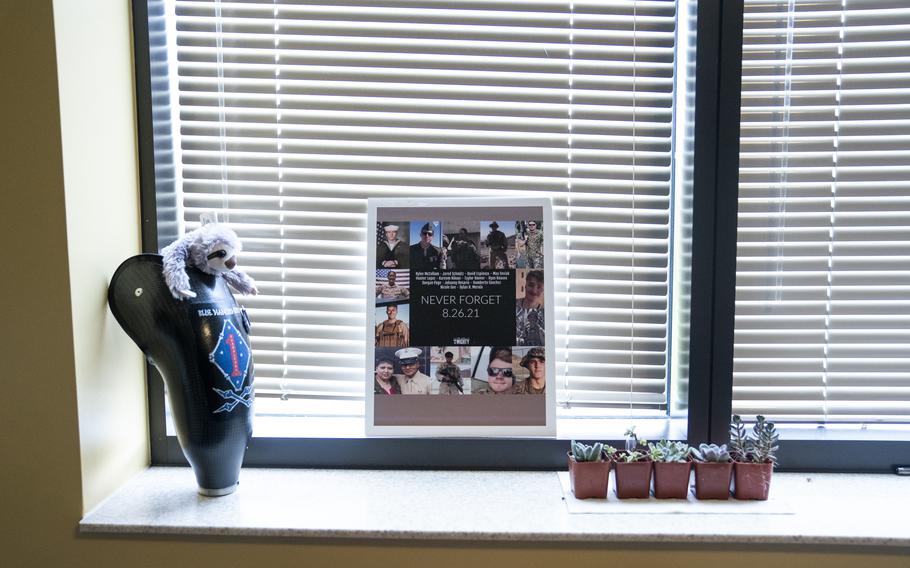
pixel 716 172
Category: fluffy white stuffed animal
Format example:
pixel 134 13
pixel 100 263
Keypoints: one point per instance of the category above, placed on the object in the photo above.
pixel 211 248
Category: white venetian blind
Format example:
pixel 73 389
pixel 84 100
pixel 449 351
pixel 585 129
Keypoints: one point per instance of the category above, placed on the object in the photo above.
pixel 823 269
pixel 292 114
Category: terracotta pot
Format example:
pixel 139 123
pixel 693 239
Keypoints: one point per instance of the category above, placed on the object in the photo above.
pixel 671 480
pixel 752 480
pixel 712 480
pixel 633 479
pixel 589 479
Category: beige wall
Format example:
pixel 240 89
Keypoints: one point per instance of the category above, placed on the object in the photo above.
pixel 72 407
pixel 97 111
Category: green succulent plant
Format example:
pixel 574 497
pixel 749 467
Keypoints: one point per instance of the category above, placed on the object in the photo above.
pixel 711 453
pixel 585 453
pixel 669 452
pixel 739 440
pixel 764 441
pixel 758 446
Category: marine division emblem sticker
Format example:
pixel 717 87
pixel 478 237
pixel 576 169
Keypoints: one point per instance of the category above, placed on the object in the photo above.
pixel 231 355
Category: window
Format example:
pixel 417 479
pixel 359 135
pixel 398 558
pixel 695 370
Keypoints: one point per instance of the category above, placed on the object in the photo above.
pixel 288 116
pixel 823 288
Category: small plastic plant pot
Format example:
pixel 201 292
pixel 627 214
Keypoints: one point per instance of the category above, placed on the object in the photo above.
pixel 712 480
pixel 751 481
pixel 671 480
pixel 589 480
pixel 633 479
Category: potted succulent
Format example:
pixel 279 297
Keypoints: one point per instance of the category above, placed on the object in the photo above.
pixel 633 469
pixel 589 470
pixel 713 469
pixel 672 466
pixel 754 457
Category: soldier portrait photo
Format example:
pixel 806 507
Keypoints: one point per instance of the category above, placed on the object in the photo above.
pixel 498 376
pixel 413 361
pixel 450 365
pixel 427 253
pixel 531 372
pixel 392 286
pixel 530 328
pixel 497 251
pixel 392 327
pixel 460 243
pixel 529 244
pixel 392 245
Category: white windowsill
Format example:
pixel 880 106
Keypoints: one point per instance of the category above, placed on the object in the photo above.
pixel 863 510
pixel 607 428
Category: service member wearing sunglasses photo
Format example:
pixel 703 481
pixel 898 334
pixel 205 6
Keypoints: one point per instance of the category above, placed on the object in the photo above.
pixel 500 376
pixel 424 255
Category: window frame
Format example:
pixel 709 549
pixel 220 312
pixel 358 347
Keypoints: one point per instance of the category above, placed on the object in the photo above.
pixel 719 31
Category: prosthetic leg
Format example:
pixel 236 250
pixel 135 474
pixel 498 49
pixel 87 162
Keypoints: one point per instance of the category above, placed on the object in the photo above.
pixel 201 348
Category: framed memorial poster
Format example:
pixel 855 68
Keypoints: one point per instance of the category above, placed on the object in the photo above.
pixel 460 318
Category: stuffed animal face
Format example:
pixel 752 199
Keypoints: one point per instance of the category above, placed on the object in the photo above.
pixel 221 258
pixel 213 249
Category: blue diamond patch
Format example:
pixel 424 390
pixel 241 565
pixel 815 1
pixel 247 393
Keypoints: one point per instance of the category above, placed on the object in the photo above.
pixel 231 355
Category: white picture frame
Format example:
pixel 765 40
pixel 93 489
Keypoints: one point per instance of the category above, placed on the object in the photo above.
pixel 450 423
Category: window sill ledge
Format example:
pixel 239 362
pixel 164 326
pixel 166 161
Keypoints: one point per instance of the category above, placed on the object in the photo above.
pixel 842 509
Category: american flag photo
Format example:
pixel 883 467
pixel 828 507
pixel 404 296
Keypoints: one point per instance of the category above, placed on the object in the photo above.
pixel 401 276
pixel 383 293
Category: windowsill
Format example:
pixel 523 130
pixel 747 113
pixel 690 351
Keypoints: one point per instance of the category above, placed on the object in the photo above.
pixel 844 509
pixel 608 427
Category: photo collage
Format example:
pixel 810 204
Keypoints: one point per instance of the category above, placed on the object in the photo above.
pixel 459 307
